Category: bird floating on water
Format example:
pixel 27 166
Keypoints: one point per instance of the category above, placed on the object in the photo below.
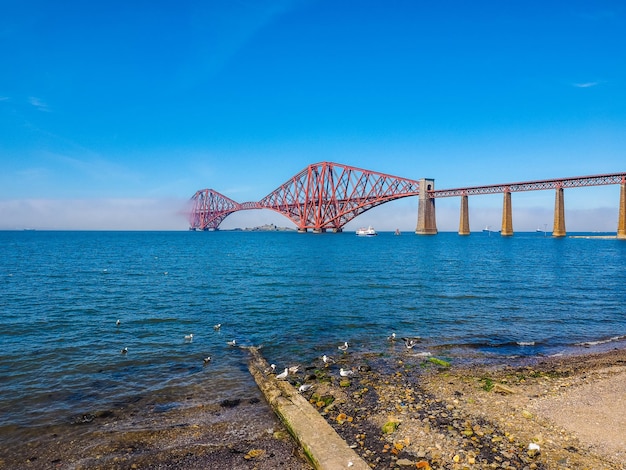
pixel 343 347
pixel 391 337
pixel 124 350
pixel 217 327
pixel 189 338
pixel 206 360
pixel 232 343
pixel 410 343
pixel 305 387
pixel 283 375
pixel 346 372
pixel 118 322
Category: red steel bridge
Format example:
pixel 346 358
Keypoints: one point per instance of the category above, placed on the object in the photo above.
pixel 326 196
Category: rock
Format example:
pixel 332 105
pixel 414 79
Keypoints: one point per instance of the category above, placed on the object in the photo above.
pixel 405 463
pixel 253 454
pixel 499 388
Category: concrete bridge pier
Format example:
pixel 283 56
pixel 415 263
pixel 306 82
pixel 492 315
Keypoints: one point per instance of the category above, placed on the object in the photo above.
pixel 621 223
pixel 558 229
pixel 507 216
pixel 426 220
pixel 464 222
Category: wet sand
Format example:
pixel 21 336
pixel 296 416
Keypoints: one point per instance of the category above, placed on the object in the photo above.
pixel 400 410
pixel 236 434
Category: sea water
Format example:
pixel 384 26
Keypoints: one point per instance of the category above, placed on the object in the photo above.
pixel 297 295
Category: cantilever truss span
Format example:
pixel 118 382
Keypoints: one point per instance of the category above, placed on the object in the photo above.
pixel 210 208
pixel 324 196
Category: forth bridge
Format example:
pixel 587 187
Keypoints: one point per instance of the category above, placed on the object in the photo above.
pixel 326 196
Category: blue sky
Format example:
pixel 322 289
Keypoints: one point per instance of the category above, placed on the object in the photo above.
pixel 112 114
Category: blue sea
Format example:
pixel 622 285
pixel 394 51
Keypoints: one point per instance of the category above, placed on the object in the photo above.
pixel 478 298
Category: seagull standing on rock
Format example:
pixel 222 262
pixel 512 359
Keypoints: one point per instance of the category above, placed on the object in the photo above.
pixel 327 360
pixel 346 372
pixel 305 387
pixel 283 375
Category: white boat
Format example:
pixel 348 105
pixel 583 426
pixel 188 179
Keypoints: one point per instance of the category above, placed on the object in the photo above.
pixel 366 232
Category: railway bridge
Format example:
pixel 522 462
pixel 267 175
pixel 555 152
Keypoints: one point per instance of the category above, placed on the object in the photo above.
pixel 326 196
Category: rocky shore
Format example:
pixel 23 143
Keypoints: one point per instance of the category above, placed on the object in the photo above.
pixel 554 413
pixel 400 410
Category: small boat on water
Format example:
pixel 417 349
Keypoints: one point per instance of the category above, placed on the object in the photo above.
pixel 366 232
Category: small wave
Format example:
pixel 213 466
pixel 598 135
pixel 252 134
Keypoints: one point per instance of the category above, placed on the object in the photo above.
pixel 613 339
pixel 494 344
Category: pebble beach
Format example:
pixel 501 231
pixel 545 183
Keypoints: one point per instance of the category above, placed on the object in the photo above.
pixel 400 411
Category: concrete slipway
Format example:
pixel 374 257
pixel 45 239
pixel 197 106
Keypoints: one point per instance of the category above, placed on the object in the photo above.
pixel 323 446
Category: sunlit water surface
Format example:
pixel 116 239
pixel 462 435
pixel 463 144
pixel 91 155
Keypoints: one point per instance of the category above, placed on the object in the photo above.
pixel 299 295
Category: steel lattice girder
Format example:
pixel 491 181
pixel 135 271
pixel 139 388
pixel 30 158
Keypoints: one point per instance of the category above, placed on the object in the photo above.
pixel 210 208
pixel 328 195
pixel 572 182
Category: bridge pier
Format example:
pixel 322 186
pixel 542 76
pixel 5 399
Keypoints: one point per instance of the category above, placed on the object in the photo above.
pixel 426 220
pixel 464 222
pixel 507 216
pixel 558 229
pixel 621 223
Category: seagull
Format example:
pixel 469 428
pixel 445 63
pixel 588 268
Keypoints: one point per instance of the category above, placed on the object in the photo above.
pixel 283 375
pixel 392 337
pixel 327 359
pixel 124 350
pixel 270 369
pixel 118 322
pixel 231 343
pixel 410 343
pixel 206 360
pixel 217 327
pixel 293 369
pixel 346 372
pixel 189 338
pixel 343 347
pixel 305 387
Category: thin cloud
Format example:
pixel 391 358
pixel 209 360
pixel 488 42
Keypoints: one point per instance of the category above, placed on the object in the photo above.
pixel 585 85
pixel 37 103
